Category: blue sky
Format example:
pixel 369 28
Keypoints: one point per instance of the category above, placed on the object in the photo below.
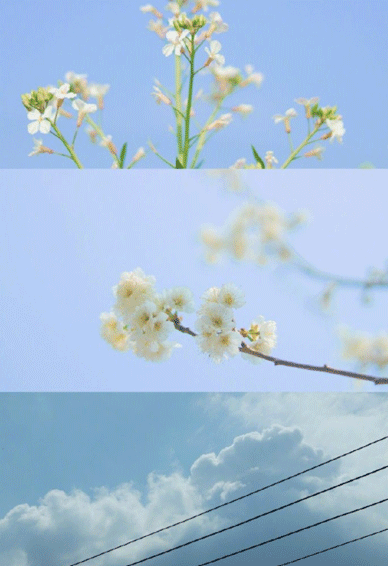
pixel 304 48
pixel 67 238
pixel 82 473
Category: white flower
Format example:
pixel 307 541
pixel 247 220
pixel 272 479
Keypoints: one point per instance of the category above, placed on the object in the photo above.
pixel 134 288
pixel 217 24
pixel 265 341
pixel 307 103
pixel 151 324
pixel 240 163
pixel 39 148
pixel 225 73
pixel 211 295
pixel 231 296
pixel 82 107
pixel 138 155
pixel 176 44
pixel 41 121
pixel 221 122
pixel 154 351
pixel 290 113
pixel 204 5
pixel 337 129
pixel 220 346
pixel 270 159
pixel 174 8
pixel 158 27
pixel 252 78
pixel 215 317
pixel 160 97
pixel 180 299
pixel 97 90
pixel 316 152
pixel 150 8
pixel 243 109
pixel 108 143
pixel 215 47
pixel 72 77
pixel 113 332
pixel 62 92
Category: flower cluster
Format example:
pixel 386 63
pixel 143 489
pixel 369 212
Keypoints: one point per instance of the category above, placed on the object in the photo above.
pixel 252 233
pixel 325 118
pixel 45 105
pixel 142 320
pixel 364 348
pixel 185 33
pixel 218 336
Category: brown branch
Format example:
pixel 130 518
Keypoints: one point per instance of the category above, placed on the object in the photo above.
pixel 326 369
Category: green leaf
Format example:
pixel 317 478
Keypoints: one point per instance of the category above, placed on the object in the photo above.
pixel 178 164
pixel 257 157
pixel 123 153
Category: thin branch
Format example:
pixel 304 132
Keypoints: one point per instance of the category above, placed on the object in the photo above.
pixel 326 369
pixel 303 265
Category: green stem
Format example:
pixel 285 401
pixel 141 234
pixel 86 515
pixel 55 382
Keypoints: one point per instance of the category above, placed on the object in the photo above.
pixel 101 134
pixel 71 151
pixel 178 104
pixel 300 147
pixel 189 104
pixel 202 135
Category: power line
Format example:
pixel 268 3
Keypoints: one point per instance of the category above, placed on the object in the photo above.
pixel 254 518
pixel 332 547
pixel 230 502
pixel 292 533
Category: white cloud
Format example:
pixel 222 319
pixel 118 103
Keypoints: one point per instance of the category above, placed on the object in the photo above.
pixel 66 527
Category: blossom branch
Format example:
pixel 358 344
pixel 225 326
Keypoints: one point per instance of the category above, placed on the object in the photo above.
pixel 278 362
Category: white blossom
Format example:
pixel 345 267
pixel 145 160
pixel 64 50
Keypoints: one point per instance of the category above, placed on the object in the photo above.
pixel 270 159
pixel 265 341
pixel 154 351
pixel 221 122
pixel 217 24
pixel 62 92
pixel 337 129
pixel 220 346
pixel 231 296
pixel 290 113
pixel 215 48
pixel 176 42
pixel 134 288
pixel 160 96
pixel 180 299
pixel 39 148
pixel 113 332
pixel 83 107
pixel 215 317
pixel 40 120
pixel 243 109
pixel 204 4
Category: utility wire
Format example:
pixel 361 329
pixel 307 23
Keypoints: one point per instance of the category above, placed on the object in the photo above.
pixel 231 501
pixel 332 547
pixel 254 518
pixel 292 533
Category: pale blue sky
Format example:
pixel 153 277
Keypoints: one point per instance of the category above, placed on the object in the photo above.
pixel 67 237
pixel 332 49
pixel 81 473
